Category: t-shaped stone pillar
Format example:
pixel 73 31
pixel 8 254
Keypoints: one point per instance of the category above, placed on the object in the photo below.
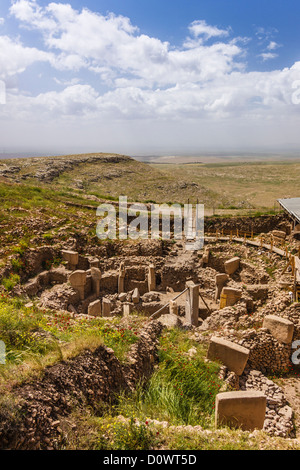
pixel 192 303
pixel 220 281
pixel 72 258
pixel 151 278
pixel 94 262
pixel 78 280
pixel 121 279
pixel 96 277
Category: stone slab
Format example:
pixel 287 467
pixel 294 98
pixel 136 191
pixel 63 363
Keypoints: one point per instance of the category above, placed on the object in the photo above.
pixel 281 328
pixel 245 410
pixel 232 355
pixel 232 265
pixel 94 308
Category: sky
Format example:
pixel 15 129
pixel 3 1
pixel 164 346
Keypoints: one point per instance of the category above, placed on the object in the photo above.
pixel 149 77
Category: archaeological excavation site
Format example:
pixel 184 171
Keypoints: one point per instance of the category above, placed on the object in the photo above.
pixel 208 338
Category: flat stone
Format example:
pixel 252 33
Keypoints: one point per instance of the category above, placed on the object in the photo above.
pixel 281 328
pixel 245 410
pixel 230 354
pixel 169 320
pixel 232 265
pixel 94 308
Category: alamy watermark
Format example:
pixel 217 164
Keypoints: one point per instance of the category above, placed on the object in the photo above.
pixel 159 221
pixel 295 356
pixel 2 92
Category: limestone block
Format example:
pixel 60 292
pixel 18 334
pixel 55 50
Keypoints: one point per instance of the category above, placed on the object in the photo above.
pixel 136 296
pixel 279 234
pixel 72 258
pixel 121 279
pixel 220 281
pixel 122 297
pixel 169 320
pixel 78 280
pixel 281 328
pixel 94 308
pixel 96 273
pixel 232 355
pixel 205 256
pixel 106 307
pixel 221 278
pixel 229 296
pixel 242 409
pixel 127 308
pixel 94 262
pixel 151 278
pixel 32 287
pixel 96 278
pixel 232 265
pixel 192 303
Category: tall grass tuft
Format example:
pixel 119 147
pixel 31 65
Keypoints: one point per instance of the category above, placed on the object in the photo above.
pixel 181 391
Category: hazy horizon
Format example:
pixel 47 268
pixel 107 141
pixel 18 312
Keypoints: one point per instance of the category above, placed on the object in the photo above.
pixel 151 78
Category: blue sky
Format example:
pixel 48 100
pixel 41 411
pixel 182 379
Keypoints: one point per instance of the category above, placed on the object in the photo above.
pixel 142 77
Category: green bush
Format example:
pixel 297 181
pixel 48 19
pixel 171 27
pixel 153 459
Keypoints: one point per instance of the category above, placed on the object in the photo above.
pixel 10 282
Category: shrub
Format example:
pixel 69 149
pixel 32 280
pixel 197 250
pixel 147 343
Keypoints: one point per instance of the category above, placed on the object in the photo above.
pixel 130 435
pixel 10 282
pixel 16 265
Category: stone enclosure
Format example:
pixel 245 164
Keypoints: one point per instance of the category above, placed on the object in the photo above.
pixel 224 294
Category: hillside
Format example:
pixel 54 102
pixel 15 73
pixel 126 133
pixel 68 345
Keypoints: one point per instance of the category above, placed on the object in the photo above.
pixel 223 187
pixel 108 175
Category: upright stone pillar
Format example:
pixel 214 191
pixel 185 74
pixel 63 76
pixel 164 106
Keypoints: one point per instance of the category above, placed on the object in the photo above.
pixel 94 262
pixel 72 258
pixel 96 277
pixel 78 281
pixel 192 303
pixel 127 309
pixel 121 279
pixel 220 281
pixel 106 307
pixel 136 296
pixel 151 278
pixel 94 309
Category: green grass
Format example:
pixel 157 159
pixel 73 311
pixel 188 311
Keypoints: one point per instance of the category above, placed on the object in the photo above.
pixel 29 332
pixel 10 282
pixel 181 390
pixel 179 395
